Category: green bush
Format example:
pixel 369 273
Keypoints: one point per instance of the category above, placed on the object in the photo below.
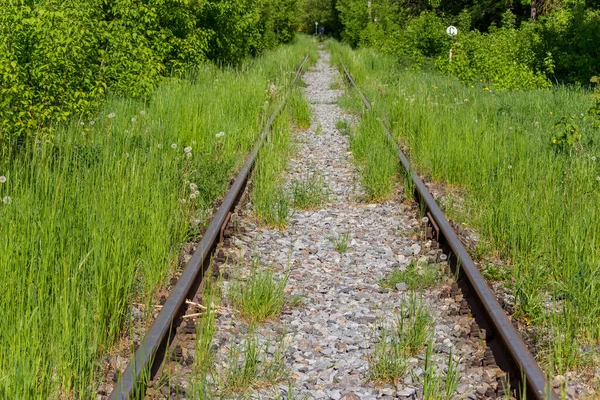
pixel 504 57
pixel 58 57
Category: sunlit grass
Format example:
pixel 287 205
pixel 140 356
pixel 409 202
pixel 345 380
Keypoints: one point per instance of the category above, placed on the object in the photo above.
pixel 97 215
pixel 533 203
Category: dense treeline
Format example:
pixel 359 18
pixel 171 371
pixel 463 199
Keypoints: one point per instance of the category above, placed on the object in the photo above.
pixel 512 44
pixel 59 57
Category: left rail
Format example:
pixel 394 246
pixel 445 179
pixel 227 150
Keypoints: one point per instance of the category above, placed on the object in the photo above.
pixel 151 352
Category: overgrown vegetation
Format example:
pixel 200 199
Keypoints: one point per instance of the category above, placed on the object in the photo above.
pixel 58 59
pixel 309 192
pixel 528 196
pixel 271 202
pixel 261 296
pixel 416 276
pixel 497 42
pixel 93 220
pixel 406 336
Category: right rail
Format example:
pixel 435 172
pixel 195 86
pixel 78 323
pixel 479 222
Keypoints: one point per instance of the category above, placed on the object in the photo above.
pixel 510 351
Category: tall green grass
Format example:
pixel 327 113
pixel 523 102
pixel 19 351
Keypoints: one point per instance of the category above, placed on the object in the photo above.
pixel 534 205
pixel 97 215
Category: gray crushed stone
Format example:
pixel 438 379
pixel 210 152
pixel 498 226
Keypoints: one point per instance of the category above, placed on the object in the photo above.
pixel 329 337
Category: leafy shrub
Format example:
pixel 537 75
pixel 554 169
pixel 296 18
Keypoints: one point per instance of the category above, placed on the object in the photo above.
pixel 59 58
pixel 503 56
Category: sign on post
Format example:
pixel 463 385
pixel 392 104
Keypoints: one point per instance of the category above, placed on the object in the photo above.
pixel 451 31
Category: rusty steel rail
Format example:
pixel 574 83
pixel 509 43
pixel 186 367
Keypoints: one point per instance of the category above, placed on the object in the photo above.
pixel 153 348
pixel 510 351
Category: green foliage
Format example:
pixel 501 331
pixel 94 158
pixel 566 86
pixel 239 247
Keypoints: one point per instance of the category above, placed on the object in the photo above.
pixel 561 45
pixel 532 206
pixel 415 276
pixel 571 35
pixel 505 57
pixel 340 242
pixel 78 241
pixel 59 58
pixel 568 137
pixel 261 296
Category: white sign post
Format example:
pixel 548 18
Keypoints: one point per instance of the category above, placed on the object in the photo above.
pixel 451 31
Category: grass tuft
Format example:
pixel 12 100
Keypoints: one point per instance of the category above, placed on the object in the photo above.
pixel 415 276
pixel 309 192
pixel 261 296
pixel 340 242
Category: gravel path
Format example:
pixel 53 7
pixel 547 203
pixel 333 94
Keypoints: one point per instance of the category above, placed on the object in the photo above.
pixel 327 339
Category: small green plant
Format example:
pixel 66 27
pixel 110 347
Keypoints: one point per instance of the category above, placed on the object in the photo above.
pixel 414 325
pixel 494 272
pixel 250 365
pixel 340 242
pixel 336 84
pixel 319 131
pixel 415 276
pixel 406 336
pixel 568 137
pixel 388 362
pixel 261 296
pixel 435 387
pixel 308 192
pixel 343 126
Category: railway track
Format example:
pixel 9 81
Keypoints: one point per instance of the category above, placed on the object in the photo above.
pixel 161 342
pixel 509 350
pixel 159 339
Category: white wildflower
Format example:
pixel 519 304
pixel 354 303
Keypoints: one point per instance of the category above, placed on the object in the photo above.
pixel 159 146
pixel 174 146
pixel 188 149
pixel 188 155
pixel 92 123
pixel 82 123
pixel 220 135
pixel 133 119
pixel 142 112
pixel 193 186
pixel 193 196
pixel 510 167
pixel 193 142
pixel 598 178
pixel 593 159
pixel 7 200
pixel 111 115
pixel 3 179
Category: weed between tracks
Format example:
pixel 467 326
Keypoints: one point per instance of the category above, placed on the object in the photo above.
pixel 271 202
pixel 415 276
pixel 531 200
pixel 340 242
pixel 261 296
pixel 309 192
pixel 408 333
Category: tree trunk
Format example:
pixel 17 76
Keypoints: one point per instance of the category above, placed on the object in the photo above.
pixel 533 10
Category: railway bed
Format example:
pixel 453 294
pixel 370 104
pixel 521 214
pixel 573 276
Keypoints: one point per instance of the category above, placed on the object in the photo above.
pixel 329 340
